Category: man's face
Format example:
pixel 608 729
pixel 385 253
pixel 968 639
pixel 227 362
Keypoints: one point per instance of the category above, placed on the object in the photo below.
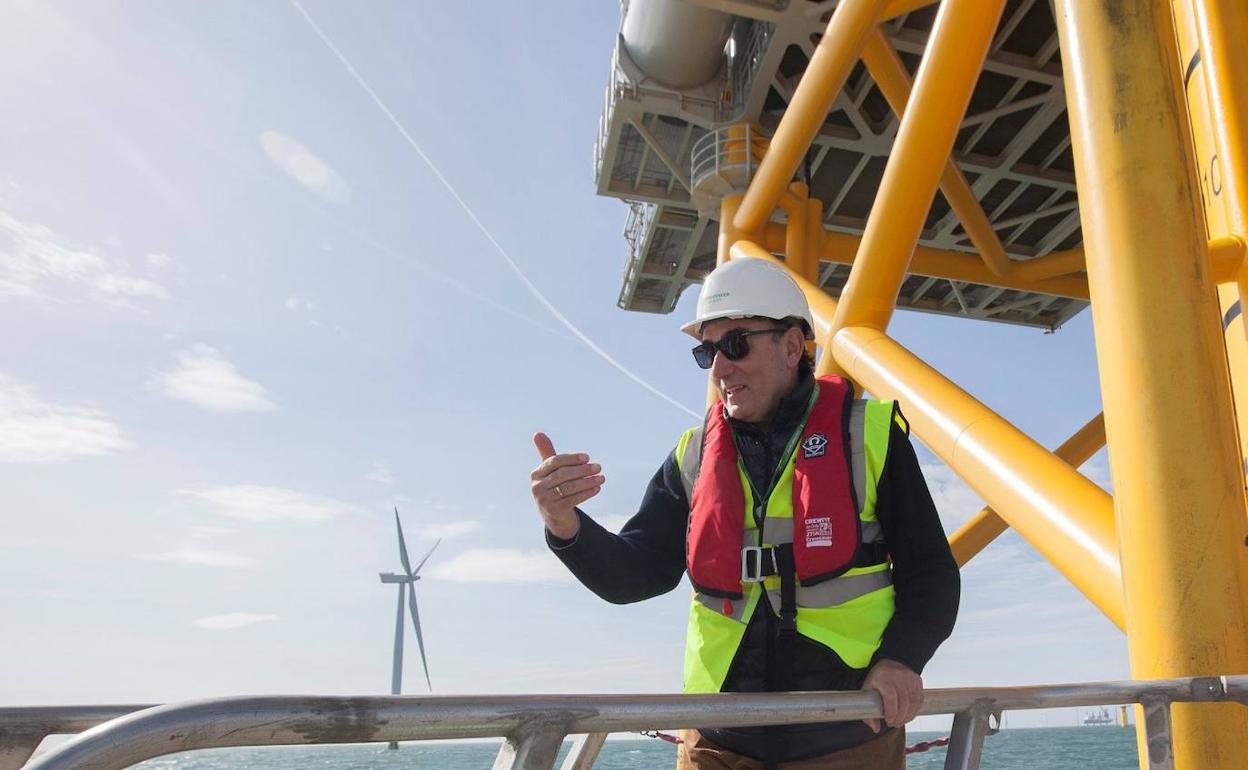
pixel 752 387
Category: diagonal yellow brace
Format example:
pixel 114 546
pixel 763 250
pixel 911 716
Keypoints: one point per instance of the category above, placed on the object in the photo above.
pixel 984 527
pixel 955 55
pixel 896 8
pixel 825 76
pixel 891 76
pixel 1062 514
pixel 1066 517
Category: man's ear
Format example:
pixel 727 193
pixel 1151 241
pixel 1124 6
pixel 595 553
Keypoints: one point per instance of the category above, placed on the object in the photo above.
pixel 794 344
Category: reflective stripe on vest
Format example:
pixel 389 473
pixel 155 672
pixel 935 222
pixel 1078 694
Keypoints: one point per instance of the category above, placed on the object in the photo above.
pixel 847 613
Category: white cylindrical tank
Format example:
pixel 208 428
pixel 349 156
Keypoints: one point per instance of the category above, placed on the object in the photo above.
pixel 678 44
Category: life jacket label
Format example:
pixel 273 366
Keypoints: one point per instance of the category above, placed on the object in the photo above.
pixel 815 445
pixel 819 532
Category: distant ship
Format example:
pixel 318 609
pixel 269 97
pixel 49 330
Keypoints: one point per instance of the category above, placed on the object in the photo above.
pixel 1097 718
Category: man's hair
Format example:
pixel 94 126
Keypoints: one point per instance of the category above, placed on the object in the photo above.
pixel 805 364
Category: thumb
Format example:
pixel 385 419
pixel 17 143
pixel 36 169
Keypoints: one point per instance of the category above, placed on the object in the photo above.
pixel 874 724
pixel 545 447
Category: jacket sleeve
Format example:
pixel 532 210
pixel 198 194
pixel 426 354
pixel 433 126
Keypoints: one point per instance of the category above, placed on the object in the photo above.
pixel 925 576
pixel 647 558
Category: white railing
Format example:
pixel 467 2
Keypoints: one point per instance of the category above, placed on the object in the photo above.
pixel 534 727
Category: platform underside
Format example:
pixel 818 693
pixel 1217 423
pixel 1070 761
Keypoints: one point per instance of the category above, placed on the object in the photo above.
pixel 1013 148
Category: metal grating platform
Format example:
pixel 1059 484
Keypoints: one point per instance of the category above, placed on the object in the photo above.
pixel 1013 147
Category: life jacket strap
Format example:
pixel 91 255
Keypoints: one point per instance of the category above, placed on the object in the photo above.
pixel 786 630
pixel 757 563
pixel 760 562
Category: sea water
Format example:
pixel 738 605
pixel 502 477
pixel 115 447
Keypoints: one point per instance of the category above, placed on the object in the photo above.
pixel 1042 748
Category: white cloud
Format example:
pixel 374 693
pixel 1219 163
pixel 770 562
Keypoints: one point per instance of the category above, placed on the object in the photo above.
pixel 32 430
pixel 206 378
pixel 233 620
pixel 381 474
pixel 207 533
pixel 294 303
pixel 159 260
pixel 207 557
pixel 250 502
pixel 304 167
pixel 451 529
pixel 955 501
pixel 501 565
pixel 35 260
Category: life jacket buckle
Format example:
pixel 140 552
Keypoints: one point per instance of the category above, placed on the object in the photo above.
pixel 753 566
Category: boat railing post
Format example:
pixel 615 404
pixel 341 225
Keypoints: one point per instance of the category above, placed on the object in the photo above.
pixel 966 739
pixel 534 746
pixel 585 749
pixel 1157 739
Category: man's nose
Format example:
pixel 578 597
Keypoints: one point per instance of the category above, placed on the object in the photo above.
pixel 720 365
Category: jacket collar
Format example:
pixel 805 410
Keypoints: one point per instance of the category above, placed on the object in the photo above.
pixel 788 414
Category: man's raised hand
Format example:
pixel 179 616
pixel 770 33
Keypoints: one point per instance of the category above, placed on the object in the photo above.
pixel 559 484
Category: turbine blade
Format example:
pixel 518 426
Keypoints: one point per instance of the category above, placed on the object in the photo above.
pixel 420 640
pixel 407 565
pixel 422 561
pixel 396 673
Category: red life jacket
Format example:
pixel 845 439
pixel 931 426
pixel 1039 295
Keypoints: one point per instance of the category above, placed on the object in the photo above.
pixel 825 517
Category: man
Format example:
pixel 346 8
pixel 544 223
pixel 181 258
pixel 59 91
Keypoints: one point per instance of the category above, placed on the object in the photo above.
pixel 801 516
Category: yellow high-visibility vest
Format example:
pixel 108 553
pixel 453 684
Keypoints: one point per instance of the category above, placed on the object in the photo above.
pixel 848 613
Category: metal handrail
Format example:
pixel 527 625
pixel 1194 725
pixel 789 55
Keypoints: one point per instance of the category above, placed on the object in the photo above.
pixel 534 727
pixel 723 161
pixel 636 231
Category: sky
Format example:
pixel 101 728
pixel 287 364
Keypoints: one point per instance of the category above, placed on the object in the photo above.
pixel 245 318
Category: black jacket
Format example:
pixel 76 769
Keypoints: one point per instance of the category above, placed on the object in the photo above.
pixel 647 558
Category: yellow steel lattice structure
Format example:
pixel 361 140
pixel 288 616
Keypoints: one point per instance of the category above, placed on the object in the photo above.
pixel 1156 92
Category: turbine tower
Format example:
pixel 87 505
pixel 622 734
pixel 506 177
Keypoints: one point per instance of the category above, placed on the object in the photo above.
pixel 406 581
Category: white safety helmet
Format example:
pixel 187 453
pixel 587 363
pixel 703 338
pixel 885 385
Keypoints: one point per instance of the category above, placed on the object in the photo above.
pixel 746 287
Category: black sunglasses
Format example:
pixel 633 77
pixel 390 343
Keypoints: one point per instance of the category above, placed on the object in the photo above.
pixel 733 345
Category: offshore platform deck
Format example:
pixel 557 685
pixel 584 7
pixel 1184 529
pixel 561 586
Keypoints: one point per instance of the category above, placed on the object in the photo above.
pixel 743 65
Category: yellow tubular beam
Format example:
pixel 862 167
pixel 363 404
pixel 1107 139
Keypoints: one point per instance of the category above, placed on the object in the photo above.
pixel 891 76
pixel 842 249
pixel 985 526
pixel 896 8
pixel 825 75
pixel 1036 488
pixel 1221 26
pixel 1061 513
pixel 814 240
pixel 728 235
pixel 1050 265
pixel 1226 256
pixel 794 204
pixel 950 68
pixel 1177 482
pixel 956 266
pixel 976 534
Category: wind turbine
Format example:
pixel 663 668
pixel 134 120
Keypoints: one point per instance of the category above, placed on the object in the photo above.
pixel 406 582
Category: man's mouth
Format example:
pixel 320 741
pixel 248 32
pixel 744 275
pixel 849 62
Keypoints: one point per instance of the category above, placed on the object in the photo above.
pixel 733 390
